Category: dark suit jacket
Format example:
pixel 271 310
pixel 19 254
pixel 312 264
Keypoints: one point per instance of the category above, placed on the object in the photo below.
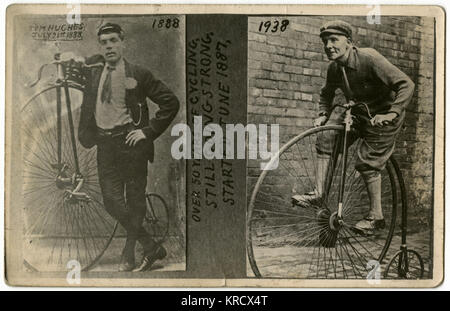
pixel 147 86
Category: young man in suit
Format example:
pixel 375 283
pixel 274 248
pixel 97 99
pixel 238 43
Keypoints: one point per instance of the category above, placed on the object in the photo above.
pixel 114 116
pixel 384 89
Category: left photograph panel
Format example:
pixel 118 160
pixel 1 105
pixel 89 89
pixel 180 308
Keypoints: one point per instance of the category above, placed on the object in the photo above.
pixel 94 98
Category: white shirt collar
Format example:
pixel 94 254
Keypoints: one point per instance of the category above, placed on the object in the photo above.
pixel 119 66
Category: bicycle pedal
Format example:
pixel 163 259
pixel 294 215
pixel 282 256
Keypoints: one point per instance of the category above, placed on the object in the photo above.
pixel 56 166
pixel 304 201
pixel 364 233
pixel 296 202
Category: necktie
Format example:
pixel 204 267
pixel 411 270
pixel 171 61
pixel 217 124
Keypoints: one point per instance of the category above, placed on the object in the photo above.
pixel 107 91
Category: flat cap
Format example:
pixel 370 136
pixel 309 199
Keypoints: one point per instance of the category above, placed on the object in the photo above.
pixel 110 28
pixel 336 27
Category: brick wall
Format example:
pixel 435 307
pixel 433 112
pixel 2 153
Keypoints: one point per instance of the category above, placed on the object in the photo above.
pixel 287 70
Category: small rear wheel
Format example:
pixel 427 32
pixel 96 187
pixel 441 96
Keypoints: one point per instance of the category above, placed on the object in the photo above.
pixel 406 264
pixel 156 220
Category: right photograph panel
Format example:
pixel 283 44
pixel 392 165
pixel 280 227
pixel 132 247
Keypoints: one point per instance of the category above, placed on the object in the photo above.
pixel 349 193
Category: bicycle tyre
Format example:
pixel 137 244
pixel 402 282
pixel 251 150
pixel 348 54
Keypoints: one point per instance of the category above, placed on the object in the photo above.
pixel 156 220
pixel 57 230
pixel 397 268
pixel 266 254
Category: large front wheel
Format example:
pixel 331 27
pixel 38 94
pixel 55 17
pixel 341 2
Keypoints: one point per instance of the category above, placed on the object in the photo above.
pixel 65 223
pixel 290 241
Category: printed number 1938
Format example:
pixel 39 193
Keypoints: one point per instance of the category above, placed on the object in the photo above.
pixel 273 26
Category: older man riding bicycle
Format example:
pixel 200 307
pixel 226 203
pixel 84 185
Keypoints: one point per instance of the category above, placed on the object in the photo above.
pixel 366 77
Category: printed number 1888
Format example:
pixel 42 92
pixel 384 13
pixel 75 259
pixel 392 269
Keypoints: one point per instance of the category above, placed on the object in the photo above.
pixel 166 23
pixel 273 26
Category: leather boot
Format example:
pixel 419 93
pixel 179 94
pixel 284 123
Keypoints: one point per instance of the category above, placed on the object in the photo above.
pixel 314 198
pixel 373 185
pixel 374 220
pixel 127 262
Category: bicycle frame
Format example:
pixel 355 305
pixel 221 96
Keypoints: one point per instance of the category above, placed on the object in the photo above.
pixel 404 221
pixel 348 123
pixel 62 180
pixel 73 212
pixel 61 82
pixel 341 148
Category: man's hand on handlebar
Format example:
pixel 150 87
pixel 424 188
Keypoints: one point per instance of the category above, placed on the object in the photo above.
pixel 383 119
pixel 320 121
pixel 70 56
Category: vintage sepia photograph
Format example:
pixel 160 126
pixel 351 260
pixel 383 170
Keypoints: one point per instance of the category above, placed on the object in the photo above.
pixel 351 193
pixel 96 97
pixel 224 146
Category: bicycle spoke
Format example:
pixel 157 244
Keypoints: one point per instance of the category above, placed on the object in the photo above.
pixel 280 238
pixel 93 212
pixel 44 163
pixel 276 228
pixel 38 170
pixel 310 267
pixel 96 211
pixel 304 239
pixel 289 171
pixel 305 167
pixel 60 227
pixel 87 228
pixel 89 237
pixel 358 254
pixel 278 213
pixel 341 260
pixel 43 213
pixel 49 146
pixel 352 263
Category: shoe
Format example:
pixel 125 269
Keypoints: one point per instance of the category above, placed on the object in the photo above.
pixel 149 259
pixel 306 200
pixel 126 264
pixel 368 225
pixel 127 261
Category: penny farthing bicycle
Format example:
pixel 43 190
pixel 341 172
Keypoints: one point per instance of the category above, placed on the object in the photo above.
pixel 318 240
pixel 64 217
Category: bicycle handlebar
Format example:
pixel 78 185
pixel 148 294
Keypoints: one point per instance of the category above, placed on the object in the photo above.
pixel 62 58
pixel 351 104
pixel 39 76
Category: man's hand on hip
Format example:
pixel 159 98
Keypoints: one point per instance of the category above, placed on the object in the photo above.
pixel 320 121
pixel 134 136
pixel 383 119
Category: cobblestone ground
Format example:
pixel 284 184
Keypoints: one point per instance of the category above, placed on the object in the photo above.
pixel 292 262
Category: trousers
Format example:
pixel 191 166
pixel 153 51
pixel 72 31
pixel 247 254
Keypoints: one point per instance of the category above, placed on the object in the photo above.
pixel 377 143
pixel 122 172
